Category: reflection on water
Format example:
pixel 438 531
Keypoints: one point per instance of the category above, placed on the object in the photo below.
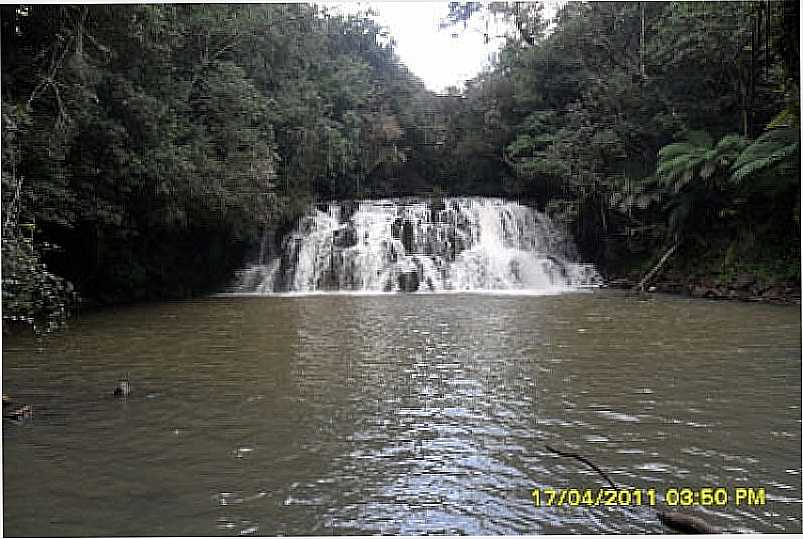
pixel 400 414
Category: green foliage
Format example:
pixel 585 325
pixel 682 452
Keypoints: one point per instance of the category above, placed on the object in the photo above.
pixel 156 142
pixel 623 119
pixel 777 151
pixel 32 295
pixel 681 163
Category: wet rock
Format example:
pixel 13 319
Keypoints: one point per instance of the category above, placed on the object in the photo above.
pixel 20 414
pixel 774 292
pixel 407 236
pixel 123 388
pixel 744 281
pixel 436 206
pixel 557 265
pixel 620 283
pixel 347 209
pixel 707 292
pixel 395 228
pixel 408 281
pixel 697 291
pixel 345 237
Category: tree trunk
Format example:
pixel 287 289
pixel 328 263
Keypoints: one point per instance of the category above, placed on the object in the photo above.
pixel 646 279
pixel 641 47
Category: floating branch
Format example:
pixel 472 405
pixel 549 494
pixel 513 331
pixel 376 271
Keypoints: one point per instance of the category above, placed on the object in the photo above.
pixel 680 522
pixel 584 461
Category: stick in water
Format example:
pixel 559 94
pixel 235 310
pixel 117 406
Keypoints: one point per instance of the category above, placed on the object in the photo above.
pixel 675 520
pixel 584 461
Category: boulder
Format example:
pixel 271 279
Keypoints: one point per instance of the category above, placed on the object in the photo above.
pixel 345 237
pixel 436 206
pixel 744 281
pixel 774 292
pixel 707 292
pixel 407 236
pixel 347 209
pixel 408 281
pixel 123 388
pixel 395 228
pixel 620 283
pixel 701 291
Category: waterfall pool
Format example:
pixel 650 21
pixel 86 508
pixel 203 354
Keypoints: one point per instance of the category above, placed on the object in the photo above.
pixel 402 414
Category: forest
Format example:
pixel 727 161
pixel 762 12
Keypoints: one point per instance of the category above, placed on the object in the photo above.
pixel 146 148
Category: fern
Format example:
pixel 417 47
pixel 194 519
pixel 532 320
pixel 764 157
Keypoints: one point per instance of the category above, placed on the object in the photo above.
pixel 773 148
pixel 789 117
pixel 680 163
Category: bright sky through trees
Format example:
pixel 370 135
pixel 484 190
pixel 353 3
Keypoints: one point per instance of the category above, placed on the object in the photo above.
pixel 441 57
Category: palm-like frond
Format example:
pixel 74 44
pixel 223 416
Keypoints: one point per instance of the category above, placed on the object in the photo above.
pixel 680 163
pixel 773 148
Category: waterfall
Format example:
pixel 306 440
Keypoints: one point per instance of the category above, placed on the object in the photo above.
pixel 450 244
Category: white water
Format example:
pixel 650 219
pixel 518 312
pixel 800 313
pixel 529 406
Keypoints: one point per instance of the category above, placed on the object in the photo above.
pixel 466 244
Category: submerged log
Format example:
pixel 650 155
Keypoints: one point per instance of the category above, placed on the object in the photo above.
pixel 684 523
pixel 20 414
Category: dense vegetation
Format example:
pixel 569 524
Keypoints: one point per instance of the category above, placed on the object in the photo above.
pixel 146 147
pixel 648 125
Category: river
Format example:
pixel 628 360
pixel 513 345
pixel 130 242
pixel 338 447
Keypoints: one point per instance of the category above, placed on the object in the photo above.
pixel 402 414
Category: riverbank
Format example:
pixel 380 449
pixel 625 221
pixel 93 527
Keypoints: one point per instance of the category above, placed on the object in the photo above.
pixel 744 287
pixel 764 270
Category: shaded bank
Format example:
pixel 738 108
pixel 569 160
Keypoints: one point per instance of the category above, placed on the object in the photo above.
pixel 787 293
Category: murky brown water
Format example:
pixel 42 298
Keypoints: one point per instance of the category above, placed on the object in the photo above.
pixel 400 414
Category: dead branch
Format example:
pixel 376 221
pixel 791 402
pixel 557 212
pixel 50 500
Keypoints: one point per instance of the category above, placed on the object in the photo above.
pixel 645 280
pixel 584 461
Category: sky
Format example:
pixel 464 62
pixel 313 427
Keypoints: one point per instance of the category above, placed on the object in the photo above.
pixel 441 58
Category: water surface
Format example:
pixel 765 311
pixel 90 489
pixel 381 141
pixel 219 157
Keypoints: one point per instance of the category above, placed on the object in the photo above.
pixel 402 414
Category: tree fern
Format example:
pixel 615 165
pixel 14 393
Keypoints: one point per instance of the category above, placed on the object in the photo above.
pixel 679 164
pixel 776 149
pixel 683 162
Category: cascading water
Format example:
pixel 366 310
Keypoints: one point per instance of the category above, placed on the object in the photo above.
pixel 414 246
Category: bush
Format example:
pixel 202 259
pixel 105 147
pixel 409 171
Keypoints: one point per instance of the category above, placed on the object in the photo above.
pixel 32 296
